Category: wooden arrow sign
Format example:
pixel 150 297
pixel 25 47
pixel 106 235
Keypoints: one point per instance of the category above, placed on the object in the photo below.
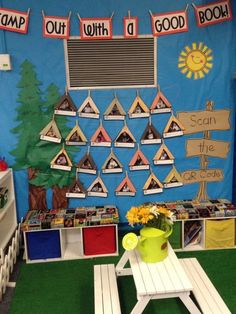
pixel 207 175
pixel 197 147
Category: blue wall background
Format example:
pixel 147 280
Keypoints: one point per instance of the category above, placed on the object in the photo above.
pixel 47 55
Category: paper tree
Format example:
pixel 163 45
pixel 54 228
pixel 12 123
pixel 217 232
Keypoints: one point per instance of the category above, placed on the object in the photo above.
pixel 76 190
pixel 139 161
pixel 97 188
pixel 150 135
pixel 160 104
pixel 163 156
pixel 76 136
pixel 51 132
pixel 114 111
pixel 138 109
pixel 152 185
pixel 173 179
pixel 88 109
pixel 125 138
pixel 61 161
pixel 87 164
pixel 112 164
pixel 173 128
pixel 126 188
pixel 66 106
pixel 101 137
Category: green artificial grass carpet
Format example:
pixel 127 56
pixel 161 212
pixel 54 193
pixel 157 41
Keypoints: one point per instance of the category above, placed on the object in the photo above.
pixel 67 287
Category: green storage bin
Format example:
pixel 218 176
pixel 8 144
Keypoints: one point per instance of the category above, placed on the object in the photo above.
pixel 176 236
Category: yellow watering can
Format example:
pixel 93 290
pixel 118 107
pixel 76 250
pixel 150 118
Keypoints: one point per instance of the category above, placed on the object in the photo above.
pixel 152 244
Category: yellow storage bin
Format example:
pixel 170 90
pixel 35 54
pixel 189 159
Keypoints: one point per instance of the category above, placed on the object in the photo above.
pixel 220 233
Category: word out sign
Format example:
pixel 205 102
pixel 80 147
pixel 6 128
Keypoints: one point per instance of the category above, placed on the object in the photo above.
pixel 14 21
pixel 169 23
pixel 213 13
pixel 99 28
pixel 130 27
pixel 56 27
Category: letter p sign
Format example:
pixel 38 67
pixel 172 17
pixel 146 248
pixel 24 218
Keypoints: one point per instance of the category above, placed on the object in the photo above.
pixel 130 27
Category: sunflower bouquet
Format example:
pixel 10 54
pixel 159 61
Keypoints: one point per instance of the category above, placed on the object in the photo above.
pixel 150 215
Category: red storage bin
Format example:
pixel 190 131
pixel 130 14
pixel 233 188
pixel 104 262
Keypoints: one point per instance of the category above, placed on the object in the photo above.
pixel 99 240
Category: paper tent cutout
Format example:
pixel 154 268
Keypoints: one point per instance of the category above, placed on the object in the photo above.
pixel 173 179
pixel 88 109
pixel 138 109
pixel 126 188
pixel 150 135
pixel 76 190
pixel 87 165
pixel 152 185
pixel 61 161
pixel 101 138
pixel 125 138
pixel 139 161
pixel 173 128
pixel 160 104
pixel 66 106
pixel 97 188
pixel 76 136
pixel 114 111
pixel 112 164
pixel 163 156
pixel 51 132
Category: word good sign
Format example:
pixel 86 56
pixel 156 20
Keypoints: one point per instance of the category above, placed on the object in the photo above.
pixel 14 21
pixel 99 28
pixel 207 175
pixel 169 23
pixel 213 13
pixel 56 27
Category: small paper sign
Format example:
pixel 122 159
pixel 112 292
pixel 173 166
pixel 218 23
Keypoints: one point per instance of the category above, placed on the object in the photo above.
pixel 213 13
pixel 14 21
pixel 130 27
pixel 208 175
pixel 169 23
pixel 98 28
pixel 197 147
pixel 56 27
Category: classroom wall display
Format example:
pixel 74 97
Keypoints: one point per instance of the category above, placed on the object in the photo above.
pixel 35 86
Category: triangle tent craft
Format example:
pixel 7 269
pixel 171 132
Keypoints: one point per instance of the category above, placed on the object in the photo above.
pixel 76 190
pixel 150 135
pixel 160 104
pixel 152 185
pixel 114 111
pixel 112 164
pixel 173 179
pixel 173 128
pixel 88 109
pixel 138 109
pixel 125 138
pixel 126 188
pixel 101 137
pixel 51 132
pixel 66 106
pixel 139 161
pixel 163 156
pixel 97 188
pixel 61 161
pixel 87 164
pixel 76 136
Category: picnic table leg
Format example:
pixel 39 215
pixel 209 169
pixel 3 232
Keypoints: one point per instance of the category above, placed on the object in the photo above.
pixel 120 267
pixel 190 305
pixel 140 305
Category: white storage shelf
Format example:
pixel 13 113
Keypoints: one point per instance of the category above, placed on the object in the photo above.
pixel 70 243
pixel 8 218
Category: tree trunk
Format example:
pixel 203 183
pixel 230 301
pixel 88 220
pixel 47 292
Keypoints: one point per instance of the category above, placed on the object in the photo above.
pixel 37 194
pixel 59 199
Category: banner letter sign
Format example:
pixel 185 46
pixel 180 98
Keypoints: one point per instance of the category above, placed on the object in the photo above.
pixel 56 27
pixel 169 23
pixel 130 27
pixel 99 28
pixel 14 21
pixel 213 13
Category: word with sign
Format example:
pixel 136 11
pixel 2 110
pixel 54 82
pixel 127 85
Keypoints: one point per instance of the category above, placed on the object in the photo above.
pixel 56 27
pixel 202 175
pixel 15 21
pixel 213 13
pixel 99 28
pixel 130 27
pixel 169 23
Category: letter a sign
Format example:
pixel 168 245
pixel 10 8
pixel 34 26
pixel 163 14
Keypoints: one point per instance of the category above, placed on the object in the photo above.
pixel 14 21
pixel 130 27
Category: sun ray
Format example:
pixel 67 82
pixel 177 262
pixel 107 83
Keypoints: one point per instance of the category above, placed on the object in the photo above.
pixel 194 46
